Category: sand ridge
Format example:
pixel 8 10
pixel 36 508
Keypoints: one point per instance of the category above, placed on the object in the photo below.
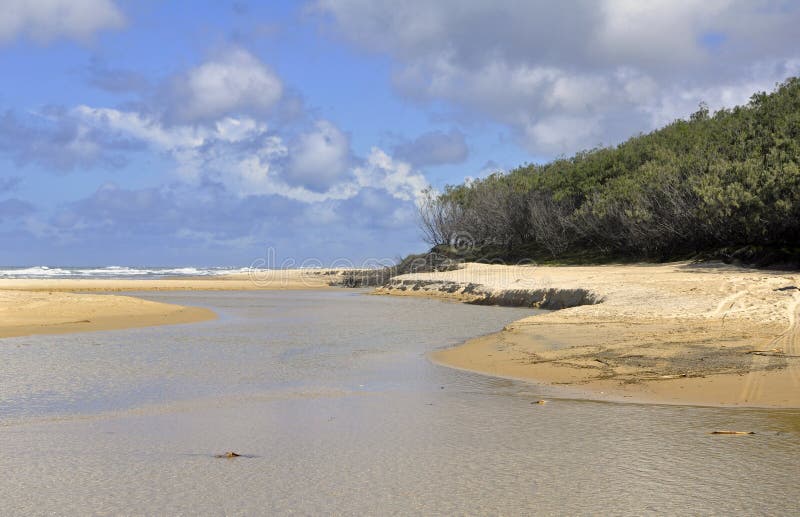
pixel 675 333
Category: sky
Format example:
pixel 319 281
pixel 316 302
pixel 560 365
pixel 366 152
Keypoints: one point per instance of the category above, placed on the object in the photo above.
pixel 219 133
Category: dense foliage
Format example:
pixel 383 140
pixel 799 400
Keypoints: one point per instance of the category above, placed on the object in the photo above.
pixel 708 186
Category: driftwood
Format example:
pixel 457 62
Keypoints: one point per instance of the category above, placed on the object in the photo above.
pixel 732 432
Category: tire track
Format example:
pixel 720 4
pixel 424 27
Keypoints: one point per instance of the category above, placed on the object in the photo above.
pixel 789 342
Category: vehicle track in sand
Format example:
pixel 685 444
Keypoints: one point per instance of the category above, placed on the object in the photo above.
pixel 785 344
pixel 727 303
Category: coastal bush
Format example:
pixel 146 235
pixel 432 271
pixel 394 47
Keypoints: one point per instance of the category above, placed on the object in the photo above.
pixel 698 187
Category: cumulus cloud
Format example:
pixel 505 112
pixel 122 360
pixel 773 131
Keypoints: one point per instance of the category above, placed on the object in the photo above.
pixel 319 158
pixel 434 148
pixel 396 177
pixel 46 20
pixel 660 31
pixel 233 83
pixel 562 77
pixel 59 142
pixel 245 173
pixel 558 132
pixel 248 158
pixel 221 136
pixel 237 152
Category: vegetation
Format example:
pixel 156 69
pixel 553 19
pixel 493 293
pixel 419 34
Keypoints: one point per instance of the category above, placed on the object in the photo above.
pixel 423 263
pixel 725 184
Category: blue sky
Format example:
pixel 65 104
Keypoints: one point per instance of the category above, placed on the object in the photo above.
pixel 203 133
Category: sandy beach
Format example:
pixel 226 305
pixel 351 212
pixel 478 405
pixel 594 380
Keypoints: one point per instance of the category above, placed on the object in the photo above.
pixel 54 306
pixel 707 334
pixel 24 313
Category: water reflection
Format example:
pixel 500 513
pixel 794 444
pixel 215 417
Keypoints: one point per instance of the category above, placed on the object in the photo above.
pixel 332 396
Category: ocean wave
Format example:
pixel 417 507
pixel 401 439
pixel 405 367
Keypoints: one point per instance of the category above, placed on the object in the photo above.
pixel 113 272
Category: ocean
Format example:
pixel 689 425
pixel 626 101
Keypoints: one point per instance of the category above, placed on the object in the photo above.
pixel 114 272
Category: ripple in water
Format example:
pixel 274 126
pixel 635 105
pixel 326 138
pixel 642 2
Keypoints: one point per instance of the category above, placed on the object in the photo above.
pixel 330 395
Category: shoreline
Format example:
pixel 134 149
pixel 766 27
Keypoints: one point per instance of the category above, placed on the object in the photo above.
pixel 714 393
pixel 291 279
pixel 59 306
pixel 27 313
pixel 680 333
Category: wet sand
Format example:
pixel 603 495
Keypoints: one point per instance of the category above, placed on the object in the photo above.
pixel 678 333
pixel 56 306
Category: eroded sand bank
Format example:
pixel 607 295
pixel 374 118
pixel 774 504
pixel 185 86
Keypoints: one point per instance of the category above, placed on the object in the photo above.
pixel 55 306
pixel 675 333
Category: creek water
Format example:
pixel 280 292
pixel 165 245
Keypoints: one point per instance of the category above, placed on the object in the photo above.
pixel 330 399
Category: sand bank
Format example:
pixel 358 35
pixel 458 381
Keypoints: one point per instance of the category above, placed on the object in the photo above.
pixel 54 306
pixel 25 313
pixel 675 333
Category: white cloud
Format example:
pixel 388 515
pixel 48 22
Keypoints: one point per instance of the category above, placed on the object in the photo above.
pixel 638 87
pixel 144 128
pixel 233 83
pixel 537 102
pixel 319 158
pixel 55 140
pixel 191 146
pixel 577 93
pixel 557 132
pixel 321 214
pixel 677 102
pixel 567 76
pixel 395 177
pixel 46 20
pixel 216 136
pixel 248 158
pixel 656 31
